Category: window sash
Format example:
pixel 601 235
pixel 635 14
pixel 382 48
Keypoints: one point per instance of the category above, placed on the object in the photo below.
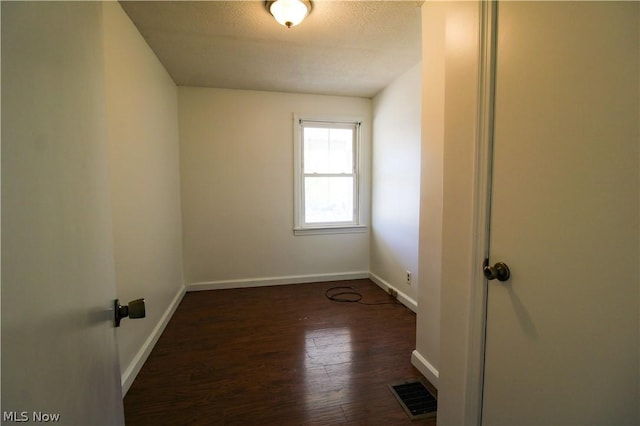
pixel 330 164
pixel 331 209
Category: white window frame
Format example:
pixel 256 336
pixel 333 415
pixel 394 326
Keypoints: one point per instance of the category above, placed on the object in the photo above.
pixel 300 226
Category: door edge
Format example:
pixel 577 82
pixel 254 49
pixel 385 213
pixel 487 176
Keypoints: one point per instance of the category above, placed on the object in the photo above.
pixel 481 210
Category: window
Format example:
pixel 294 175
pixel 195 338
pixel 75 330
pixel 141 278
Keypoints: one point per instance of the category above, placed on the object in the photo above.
pixel 327 176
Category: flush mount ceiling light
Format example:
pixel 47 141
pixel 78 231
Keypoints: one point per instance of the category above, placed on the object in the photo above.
pixel 289 12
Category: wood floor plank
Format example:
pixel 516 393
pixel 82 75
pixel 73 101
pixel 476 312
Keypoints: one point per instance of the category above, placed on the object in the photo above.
pixel 282 355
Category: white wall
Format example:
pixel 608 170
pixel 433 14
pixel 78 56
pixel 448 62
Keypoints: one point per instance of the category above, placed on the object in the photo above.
pixel 450 78
pixel 395 189
pixel 236 153
pixel 426 357
pixel 461 32
pixel 142 110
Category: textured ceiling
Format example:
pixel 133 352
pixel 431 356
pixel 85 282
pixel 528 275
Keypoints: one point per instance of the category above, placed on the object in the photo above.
pixel 349 48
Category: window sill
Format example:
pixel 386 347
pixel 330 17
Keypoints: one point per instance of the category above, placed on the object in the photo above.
pixel 319 230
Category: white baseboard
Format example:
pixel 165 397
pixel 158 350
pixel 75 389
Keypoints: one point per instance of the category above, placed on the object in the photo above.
pixel 138 361
pixel 264 282
pixel 427 370
pixel 402 298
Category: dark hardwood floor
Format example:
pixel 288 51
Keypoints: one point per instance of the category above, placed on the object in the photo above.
pixel 282 355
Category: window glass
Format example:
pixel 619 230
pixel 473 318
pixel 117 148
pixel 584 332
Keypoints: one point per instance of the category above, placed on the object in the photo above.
pixel 328 199
pixel 328 150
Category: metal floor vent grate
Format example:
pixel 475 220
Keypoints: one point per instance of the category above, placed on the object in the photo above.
pixel 416 400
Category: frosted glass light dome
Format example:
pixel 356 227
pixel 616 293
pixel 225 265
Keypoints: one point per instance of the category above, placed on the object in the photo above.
pixel 289 12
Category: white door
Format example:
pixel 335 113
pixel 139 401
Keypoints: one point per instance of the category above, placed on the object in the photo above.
pixel 562 333
pixel 59 355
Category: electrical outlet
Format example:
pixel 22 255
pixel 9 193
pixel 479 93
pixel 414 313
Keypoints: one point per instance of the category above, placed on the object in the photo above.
pixel 408 277
pixel 393 293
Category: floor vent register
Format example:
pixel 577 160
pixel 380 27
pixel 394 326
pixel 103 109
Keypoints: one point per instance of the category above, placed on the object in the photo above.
pixel 416 399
